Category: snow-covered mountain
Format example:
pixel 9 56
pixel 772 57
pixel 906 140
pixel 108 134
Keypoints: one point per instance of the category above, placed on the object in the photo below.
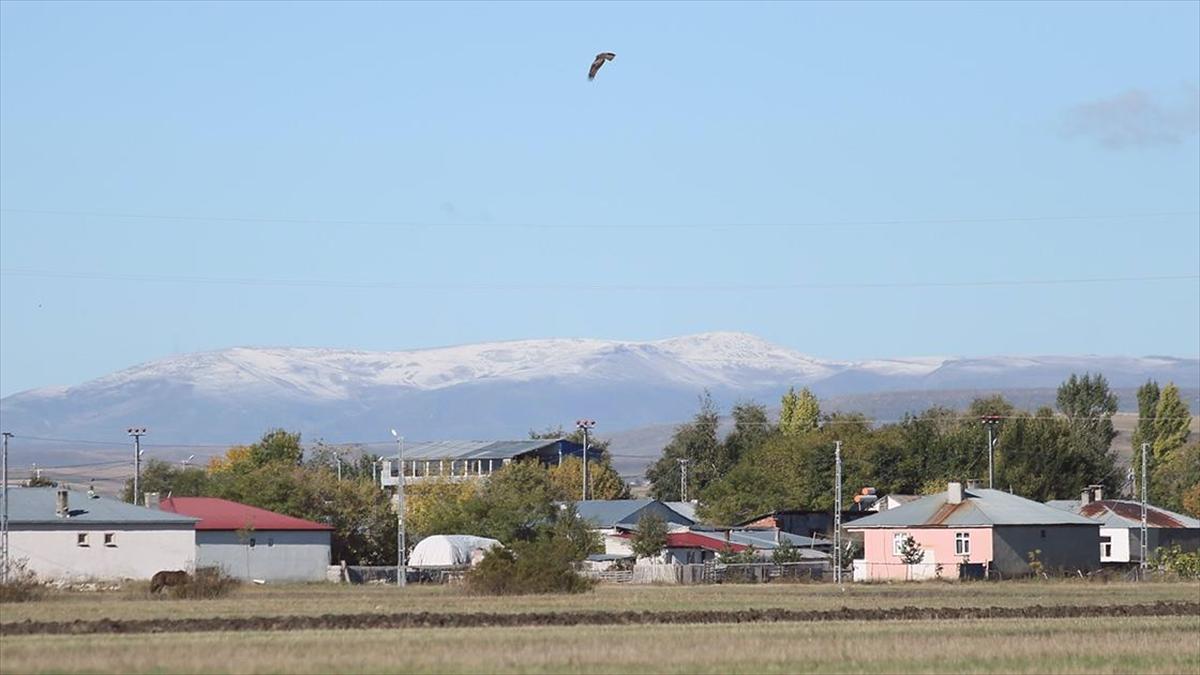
pixel 502 389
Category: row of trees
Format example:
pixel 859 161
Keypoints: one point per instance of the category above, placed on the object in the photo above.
pixel 1044 454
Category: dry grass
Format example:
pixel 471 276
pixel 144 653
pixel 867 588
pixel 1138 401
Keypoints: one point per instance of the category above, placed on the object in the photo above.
pixel 1093 645
pixel 136 603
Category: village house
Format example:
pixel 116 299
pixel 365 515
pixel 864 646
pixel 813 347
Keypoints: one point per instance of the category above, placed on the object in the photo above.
pixel 1121 526
pixel 803 522
pixel 975 532
pixel 69 535
pixel 614 518
pixel 252 543
pixel 464 460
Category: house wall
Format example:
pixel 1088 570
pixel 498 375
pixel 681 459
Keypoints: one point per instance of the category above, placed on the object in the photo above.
pixel 1122 545
pixel 137 552
pixel 879 562
pixel 1188 540
pixel 1063 547
pixel 277 555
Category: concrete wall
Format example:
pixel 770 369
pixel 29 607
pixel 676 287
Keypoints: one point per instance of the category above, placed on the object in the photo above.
pixel 1063 548
pixel 135 552
pixel 277 555
pixel 1188 540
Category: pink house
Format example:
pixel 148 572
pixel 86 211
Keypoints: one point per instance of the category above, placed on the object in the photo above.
pixel 974 532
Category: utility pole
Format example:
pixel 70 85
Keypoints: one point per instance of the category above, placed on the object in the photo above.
pixel 683 466
pixel 401 567
pixel 4 516
pixel 837 512
pixel 585 426
pixel 338 456
pixel 990 422
pixel 137 434
pixel 1145 563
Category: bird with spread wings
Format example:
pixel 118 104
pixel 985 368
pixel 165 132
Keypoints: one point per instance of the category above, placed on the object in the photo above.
pixel 600 59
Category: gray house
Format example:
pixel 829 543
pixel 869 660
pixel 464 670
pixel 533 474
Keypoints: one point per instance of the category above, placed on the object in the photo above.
pixel 1121 526
pixel 252 543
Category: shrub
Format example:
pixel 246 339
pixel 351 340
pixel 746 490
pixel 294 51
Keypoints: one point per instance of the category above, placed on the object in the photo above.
pixel 22 584
pixel 207 582
pixel 544 565
pixel 651 536
pixel 786 553
pixel 1173 560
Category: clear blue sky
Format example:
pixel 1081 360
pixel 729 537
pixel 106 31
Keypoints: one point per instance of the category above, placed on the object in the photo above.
pixel 294 142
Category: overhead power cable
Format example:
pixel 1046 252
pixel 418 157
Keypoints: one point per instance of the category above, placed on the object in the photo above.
pixel 577 287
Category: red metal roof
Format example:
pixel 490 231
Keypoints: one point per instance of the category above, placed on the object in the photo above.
pixel 222 514
pixel 1155 517
pixel 694 540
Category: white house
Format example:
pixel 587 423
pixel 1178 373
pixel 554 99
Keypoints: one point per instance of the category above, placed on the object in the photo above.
pixel 74 536
pixel 252 543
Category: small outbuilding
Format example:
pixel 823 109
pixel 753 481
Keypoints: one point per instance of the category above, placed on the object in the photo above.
pixel 252 543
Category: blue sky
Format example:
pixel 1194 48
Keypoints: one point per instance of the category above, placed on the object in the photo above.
pixel 423 175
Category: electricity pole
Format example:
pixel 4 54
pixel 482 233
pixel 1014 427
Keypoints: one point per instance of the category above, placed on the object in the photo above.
pixel 584 426
pixel 1145 564
pixel 4 516
pixel 990 422
pixel 137 434
pixel 401 567
pixel 683 465
pixel 837 512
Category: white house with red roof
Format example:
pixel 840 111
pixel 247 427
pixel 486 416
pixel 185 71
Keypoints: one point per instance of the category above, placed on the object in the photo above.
pixel 253 543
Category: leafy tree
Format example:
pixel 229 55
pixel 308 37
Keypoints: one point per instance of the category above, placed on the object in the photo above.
pixel 910 551
pixel 543 563
pixel 575 436
pixel 1089 407
pixel 1172 422
pixel 277 445
pixel 1178 478
pixel 603 480
pixel 438 505
pixel 513 501
pixel 169 479
pixel 1036 455
pixel 751 428
pixel 651 536
pixel 1147 397
pixel 799 412
pixel 786 552
pixel 697 442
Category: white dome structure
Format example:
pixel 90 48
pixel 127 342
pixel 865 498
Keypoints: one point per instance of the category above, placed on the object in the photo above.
pixel 450 550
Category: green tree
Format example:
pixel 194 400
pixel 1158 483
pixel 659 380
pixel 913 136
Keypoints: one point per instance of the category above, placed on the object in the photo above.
pixel 277 445
pixel 603 480
pixel 751 428
pixel 696 442
pixel 799 412
pixel 1178 478
pixel 169 479
pixel 438 505
pixel 910 551
pixel 513 501
pixel 1172 423
pixel 651 536
pixel 1089 407
pixel 1147 397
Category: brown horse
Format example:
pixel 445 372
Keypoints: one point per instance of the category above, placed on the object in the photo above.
pixel 165 578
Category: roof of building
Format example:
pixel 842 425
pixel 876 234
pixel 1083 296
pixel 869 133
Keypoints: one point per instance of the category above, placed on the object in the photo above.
pixel 1126 513
pixel 608 513
pixel 685 509
pixel 222 514
pixel 980 507
pixel 37 506
pixel 697 540
pixel 434 450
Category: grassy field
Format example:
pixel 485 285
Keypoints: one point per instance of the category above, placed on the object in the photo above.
pixel 1091 645
pixel 136 603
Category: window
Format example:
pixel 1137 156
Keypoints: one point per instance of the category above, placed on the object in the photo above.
pixel 1043 534
pixel 110 539
pixel 81 539
pixel 252 542
pixel 1106 546
pixel 898 540
pixel 962 543
pixel 270 541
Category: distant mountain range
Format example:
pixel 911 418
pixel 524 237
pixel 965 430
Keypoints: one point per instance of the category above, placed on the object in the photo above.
pixel 504 389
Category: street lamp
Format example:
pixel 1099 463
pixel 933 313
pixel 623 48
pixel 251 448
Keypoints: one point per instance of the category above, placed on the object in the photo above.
pixel 401 568
pixel 990 421
pixel 585 426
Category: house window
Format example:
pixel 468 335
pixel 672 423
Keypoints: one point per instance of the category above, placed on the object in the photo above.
pixel 81 539
pixel 110 539
pixel 270 541
pixel 962 543
pixel 252 542
pixel 1106 547
pixel 898 540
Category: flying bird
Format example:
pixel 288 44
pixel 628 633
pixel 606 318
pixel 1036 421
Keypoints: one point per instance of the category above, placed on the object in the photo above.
pixel 600 59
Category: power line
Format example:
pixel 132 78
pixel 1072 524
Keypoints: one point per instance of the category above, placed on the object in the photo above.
pixel 607 226
pixel 578 287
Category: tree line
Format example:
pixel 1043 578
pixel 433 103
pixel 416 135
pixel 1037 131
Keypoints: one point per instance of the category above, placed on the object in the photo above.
pixel 1043 454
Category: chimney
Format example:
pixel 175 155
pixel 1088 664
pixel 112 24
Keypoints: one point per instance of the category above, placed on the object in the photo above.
pixel 954 493
pixel 1097 492
pixel 974 484
pixel 62 507
pixel 153 501
pixel 1085 497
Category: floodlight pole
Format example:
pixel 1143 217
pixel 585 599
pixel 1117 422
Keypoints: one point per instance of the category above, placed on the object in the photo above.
pixel 1145 564
pixel 990 422
pixel 837 512
pixel 137 434
pixel 401 567
pixel 4 516
pixel 585 425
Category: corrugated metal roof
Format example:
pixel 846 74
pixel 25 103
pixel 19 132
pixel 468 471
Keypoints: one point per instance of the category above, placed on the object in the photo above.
pixel 1126 513
pixel 609 513
pixel 36 506
pixel 222 514
pixel 437 450
pixel 980 507
pixel 685 509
